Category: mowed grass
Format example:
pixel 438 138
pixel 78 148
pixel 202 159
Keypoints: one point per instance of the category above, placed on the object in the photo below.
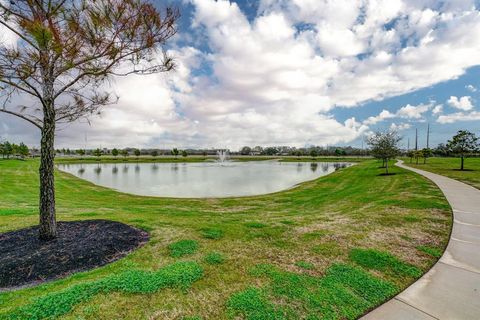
pixel 347 242
pixel 450 167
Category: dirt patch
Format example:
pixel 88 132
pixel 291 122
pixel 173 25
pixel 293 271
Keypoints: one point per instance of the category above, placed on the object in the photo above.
pixel 80 245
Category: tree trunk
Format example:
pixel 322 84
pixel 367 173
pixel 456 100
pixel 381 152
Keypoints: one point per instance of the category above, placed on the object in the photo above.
pixel 462 161
pixel 386 166
pixel 48 223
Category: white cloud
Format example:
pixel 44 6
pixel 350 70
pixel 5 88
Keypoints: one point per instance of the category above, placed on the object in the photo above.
pixel 463 103
pixel 413 112
pixel 437 109
pixel 471 88
pixel 385 114
pixel 406 112
pixel 263 80
pixel 400 127
pixel 459 116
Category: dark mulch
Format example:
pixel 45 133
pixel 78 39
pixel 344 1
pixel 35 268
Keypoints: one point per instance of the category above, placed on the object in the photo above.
pixel 80 246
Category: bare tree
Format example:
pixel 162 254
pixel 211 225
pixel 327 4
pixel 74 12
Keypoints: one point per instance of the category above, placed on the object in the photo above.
pixel 384 145
pixel 65 51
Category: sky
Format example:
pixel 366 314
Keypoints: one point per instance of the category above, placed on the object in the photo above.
pixel 294 72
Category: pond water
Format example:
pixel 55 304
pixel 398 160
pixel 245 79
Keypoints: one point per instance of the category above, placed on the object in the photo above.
pixel 201 180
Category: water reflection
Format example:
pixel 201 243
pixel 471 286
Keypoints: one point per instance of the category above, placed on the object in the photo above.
pixel 202 179
pixel 299 166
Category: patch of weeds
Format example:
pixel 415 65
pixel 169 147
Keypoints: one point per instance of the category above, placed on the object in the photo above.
pixel 256 225
pixel 431 251
pixel 252 303
pixel 305 265
pixel 328 249
pixel 192 318
pixel 182 248
pixel 315 234
pixel 178 275
pixel 383 261
pixel 345 292
pixel 287 222
pixel 412 218
pixel 214 258
pixel 212 233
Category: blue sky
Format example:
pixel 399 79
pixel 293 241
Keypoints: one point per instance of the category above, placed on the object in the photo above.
pixel 296 72
pixel 439 133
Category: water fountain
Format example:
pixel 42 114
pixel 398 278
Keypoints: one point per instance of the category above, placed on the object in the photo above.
pixel 222 156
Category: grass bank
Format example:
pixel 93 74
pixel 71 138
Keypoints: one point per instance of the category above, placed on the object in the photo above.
pixel 332 248
pixel 450 167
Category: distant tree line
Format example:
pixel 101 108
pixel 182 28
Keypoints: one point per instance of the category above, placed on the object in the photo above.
pixel 8 149
pixel 312 151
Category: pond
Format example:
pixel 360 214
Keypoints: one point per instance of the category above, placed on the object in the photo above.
pixel 201 180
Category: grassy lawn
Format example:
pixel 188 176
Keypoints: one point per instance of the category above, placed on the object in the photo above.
pixel 332 248
pixel 450 167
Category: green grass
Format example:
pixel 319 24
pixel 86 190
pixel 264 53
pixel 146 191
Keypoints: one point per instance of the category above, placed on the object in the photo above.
pixel 319 221
pixel 345 292
pixel 450 167
pixel 304 265
pixel 214 258
pixel 182 248
pixel 256 225
pixel 434 252
pixel 383 261
pixel 212 233
pixel 177 275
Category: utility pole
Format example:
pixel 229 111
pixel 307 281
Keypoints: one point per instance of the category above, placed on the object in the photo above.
pixel 428 136
pixel 416 139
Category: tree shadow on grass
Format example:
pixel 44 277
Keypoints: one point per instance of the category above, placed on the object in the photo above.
pixel 387 174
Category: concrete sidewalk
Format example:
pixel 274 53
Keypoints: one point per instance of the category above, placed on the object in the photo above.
pixel 451 289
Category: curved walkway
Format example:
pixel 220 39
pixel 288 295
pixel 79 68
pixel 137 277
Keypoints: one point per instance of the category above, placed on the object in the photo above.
pixel 451 289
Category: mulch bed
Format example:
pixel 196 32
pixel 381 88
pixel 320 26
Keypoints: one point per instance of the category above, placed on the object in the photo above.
pixel 81 245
